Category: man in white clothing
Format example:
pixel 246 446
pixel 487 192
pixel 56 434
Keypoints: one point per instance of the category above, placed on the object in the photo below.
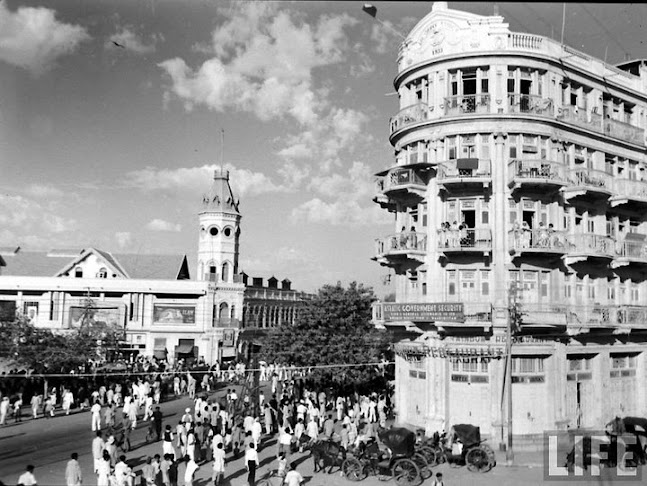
pixel 293 477
pixel 97 450
pixel 257 431
pixel 96 416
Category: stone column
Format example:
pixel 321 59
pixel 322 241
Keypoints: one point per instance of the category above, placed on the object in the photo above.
pixel 498 225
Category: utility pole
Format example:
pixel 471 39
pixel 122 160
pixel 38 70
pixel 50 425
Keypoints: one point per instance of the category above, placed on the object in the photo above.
pixel 513 318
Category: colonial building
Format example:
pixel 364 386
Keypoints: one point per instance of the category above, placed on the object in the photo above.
pixel 150 298
pixel 519 181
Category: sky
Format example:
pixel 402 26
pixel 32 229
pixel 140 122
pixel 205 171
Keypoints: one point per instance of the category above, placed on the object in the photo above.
pixel 111 115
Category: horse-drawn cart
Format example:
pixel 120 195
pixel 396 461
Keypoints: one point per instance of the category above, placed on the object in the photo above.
pixel 400 462
pixel 464 447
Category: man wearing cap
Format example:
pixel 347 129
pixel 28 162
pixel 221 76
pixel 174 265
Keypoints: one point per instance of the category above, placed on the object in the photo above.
pixel 186 418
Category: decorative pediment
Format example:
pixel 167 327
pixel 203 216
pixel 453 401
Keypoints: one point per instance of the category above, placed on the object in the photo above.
pixel 91 261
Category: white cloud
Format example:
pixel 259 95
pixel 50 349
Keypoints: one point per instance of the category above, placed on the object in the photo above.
pixel 133 42
pixel 161 225
pixel 123 238
pixel 263 62
pixel 338 213
pixel 243 181
pixel 33 39
pixel 29 216
pixel 43 191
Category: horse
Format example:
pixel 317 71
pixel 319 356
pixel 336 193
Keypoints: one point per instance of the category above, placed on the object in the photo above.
pixel 331 453
pixel 636 426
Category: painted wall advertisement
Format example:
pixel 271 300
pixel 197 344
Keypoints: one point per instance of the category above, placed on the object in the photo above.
pixel 96 317
pixel 228 338
pixel 174 314
pixel 448 312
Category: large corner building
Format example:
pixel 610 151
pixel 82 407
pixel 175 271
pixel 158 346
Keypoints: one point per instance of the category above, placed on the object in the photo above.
pixel 519 181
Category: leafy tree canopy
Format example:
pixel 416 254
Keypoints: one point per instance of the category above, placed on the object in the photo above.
pixel 333 329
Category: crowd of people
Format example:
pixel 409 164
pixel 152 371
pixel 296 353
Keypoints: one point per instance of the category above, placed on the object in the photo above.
pixel 215 429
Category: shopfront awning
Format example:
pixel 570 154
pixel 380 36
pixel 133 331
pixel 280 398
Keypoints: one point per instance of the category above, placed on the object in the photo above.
pixel 472 164
pixel 184 349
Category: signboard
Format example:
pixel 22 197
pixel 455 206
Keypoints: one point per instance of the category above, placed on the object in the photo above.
pixel 228 338
pixel 96 318
pixel 448 312
pixel 174 314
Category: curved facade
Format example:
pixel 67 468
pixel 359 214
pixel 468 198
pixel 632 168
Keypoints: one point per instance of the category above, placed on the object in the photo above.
pixel 520 180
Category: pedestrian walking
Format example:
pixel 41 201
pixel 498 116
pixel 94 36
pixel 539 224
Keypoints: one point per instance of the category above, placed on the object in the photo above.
pixel 218 464
pixel 35 405
pixel 27 478
pixel 157 422
pixel 98 446
pixel 251 461
pixel 17 410
pixel 73 476
pixel 124 475
pixel 439 480
pixel 167 444
pixel 103 469
pixel 4 409
pixel 189 472
pixel 96 416
pixel 293 477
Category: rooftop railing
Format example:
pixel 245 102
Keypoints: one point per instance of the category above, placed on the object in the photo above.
pixel 404 242
pixel 408 116
pixel 467 104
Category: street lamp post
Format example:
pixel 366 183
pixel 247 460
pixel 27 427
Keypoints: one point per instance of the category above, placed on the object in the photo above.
pixel 513 317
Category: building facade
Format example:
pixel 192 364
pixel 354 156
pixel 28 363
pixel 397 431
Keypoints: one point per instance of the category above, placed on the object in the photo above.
pixel 519 182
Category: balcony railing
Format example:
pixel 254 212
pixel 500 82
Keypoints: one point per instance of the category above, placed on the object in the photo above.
pixel 538 170
pixel 400 178
pixel 623 131
pixel 458 169
pixel 630 189
pixel 226 322
pixel 591 178
pixel 525 41
pixel 591 244
pixel 532 104
pixel 578 116
pixel 401 243
pixel 465 239
pixel 467 104
pixel 633 250
pixel 595 315
pixel 408 116
pixel 539 240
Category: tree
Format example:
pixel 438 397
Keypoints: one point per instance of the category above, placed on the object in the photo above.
pixel 41 350
pixel 333 332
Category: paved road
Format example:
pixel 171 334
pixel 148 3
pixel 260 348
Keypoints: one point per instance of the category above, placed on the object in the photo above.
pixel 48 443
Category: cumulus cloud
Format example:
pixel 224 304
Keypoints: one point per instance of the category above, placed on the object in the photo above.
pixel 338 213
pixel 33 39
pixel 133 42
pixel 262 63
pixel 28 215
pixel 123 238
pixel 161 225
pixel 246 182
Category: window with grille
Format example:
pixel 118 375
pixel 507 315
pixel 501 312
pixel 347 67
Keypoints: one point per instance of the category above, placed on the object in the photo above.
pixel 470 370
pixel 528 369
pixel 623 364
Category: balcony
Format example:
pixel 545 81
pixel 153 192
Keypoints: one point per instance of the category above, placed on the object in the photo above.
pixel 226 322
pixel 408 116
pixel 589 184
pixel 536 175
pixel 400 247
pixel 623 131
pixel 543 315
pixel 579 117
pixel 541 241
pixel 576 317
pixel 477 240
pixel 589 246
pixel 632 315
pixel 530 104
pixel 460 174
pixel 631 193
pixel 401 185
pixel 467 105
pixel 592 316
pixel 631 251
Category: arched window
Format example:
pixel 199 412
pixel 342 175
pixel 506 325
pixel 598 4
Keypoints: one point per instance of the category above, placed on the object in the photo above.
pixel 78 272
pixel 223 312
pixel 225 272
pixel 103 273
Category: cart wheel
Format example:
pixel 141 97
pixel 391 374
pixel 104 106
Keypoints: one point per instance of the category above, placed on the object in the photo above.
pixel 441 456
pixel 423 465
pixel 490 453
pixel 429 454
pixel 406 473
pixel 477 460
pixel 353 469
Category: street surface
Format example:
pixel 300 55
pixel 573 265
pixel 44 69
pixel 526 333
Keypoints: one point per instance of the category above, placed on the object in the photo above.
pixel 48 444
